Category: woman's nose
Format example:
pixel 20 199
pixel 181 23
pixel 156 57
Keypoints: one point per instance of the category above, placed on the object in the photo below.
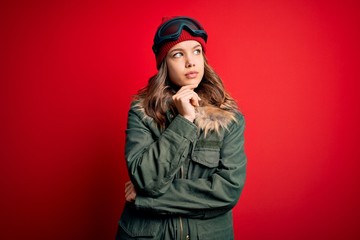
pixel 190 63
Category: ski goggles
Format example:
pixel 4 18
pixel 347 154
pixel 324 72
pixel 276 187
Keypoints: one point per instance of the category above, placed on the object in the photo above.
pixel 171 31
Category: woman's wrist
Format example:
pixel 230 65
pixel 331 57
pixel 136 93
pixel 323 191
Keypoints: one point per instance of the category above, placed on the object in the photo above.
pixel 189 118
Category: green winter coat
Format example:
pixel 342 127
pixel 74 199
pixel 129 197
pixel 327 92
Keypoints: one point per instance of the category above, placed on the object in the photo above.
pixel 188 177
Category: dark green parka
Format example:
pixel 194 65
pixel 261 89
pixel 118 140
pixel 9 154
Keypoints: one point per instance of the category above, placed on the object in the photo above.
pixel 188 176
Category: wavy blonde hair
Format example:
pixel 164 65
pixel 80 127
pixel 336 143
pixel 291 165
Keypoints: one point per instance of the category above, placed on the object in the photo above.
pixel 156 97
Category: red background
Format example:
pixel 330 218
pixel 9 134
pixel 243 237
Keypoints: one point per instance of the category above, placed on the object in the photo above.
pixel 68 70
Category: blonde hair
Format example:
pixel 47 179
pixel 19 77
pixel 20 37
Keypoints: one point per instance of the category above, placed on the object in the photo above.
pixel 156 97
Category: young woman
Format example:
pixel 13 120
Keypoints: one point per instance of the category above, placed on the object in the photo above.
pixel 184 145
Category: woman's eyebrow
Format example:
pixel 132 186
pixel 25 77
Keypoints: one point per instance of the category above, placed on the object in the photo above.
pixel 176 49
pixel 181 49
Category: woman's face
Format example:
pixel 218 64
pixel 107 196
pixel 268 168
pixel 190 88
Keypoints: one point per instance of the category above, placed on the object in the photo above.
pixel 185 63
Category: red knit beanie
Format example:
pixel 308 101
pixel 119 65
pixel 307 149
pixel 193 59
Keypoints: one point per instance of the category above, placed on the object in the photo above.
pixel 185 35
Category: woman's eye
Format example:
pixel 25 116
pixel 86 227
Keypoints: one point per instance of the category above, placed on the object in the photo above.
pixel 178 54
pixel 197 51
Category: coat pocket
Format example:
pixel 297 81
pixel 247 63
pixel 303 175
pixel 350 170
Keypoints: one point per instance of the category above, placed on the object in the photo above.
pixel 207 157
pixel 220 227
pixel 137 224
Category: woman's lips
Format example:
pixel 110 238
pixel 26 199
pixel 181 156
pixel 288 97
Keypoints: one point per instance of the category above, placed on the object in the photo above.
pixel 191 75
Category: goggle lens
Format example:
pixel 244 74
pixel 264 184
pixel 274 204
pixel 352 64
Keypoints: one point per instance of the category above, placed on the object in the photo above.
pixel 176 26
pixel 171 31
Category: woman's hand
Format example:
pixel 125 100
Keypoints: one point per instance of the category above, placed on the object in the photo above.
pixel 130 193
pixel 185 101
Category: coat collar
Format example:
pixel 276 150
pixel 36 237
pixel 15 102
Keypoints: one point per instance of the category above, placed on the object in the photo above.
pixel 210 118
pixel 207 118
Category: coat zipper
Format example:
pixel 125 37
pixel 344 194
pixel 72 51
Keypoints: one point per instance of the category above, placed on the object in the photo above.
pixel 181 228
pixel 181 220
pixel 181 223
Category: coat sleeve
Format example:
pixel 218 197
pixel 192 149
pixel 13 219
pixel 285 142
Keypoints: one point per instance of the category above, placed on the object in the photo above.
pixel 153 161
pixel 206 198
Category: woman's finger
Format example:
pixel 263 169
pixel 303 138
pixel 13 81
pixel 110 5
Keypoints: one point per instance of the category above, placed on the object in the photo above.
pixel 128 183
pixel 130 195
pixel 186 95
pixel 128 186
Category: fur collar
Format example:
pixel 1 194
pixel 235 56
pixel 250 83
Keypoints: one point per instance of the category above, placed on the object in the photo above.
pixel 207 118
pixel 211 118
